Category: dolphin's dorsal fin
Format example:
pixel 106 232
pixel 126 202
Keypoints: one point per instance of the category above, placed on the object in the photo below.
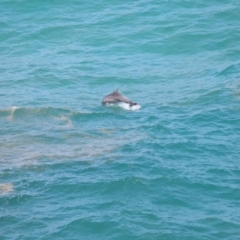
pixel 116 91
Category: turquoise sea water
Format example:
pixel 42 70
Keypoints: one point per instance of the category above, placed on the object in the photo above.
pixel 73 169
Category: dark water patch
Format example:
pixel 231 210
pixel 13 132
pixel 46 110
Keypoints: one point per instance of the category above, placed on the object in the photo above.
pixel 114 113
pixel 89 226
pixel 16 200
pixel 156 129
pixel 6 231
pixel 228 229
pixel 228 13
pixel 127 186
pixel 230 70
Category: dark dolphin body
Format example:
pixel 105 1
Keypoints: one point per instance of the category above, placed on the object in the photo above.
pixel 116 97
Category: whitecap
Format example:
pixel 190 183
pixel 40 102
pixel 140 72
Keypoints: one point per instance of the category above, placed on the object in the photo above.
pixel 13 109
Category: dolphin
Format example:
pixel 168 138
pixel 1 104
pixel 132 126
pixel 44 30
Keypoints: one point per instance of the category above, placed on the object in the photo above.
pixel 116 97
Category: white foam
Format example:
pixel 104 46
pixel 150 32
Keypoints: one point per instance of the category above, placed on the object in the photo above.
pixel 127 106
pixel 13 108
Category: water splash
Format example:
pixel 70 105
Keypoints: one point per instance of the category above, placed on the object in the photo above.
pixel 13 109
pixel 125 106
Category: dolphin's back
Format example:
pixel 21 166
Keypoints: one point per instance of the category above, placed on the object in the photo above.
pixel 116 97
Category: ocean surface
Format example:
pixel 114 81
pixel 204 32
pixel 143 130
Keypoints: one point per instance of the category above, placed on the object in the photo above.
pixel 73 169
